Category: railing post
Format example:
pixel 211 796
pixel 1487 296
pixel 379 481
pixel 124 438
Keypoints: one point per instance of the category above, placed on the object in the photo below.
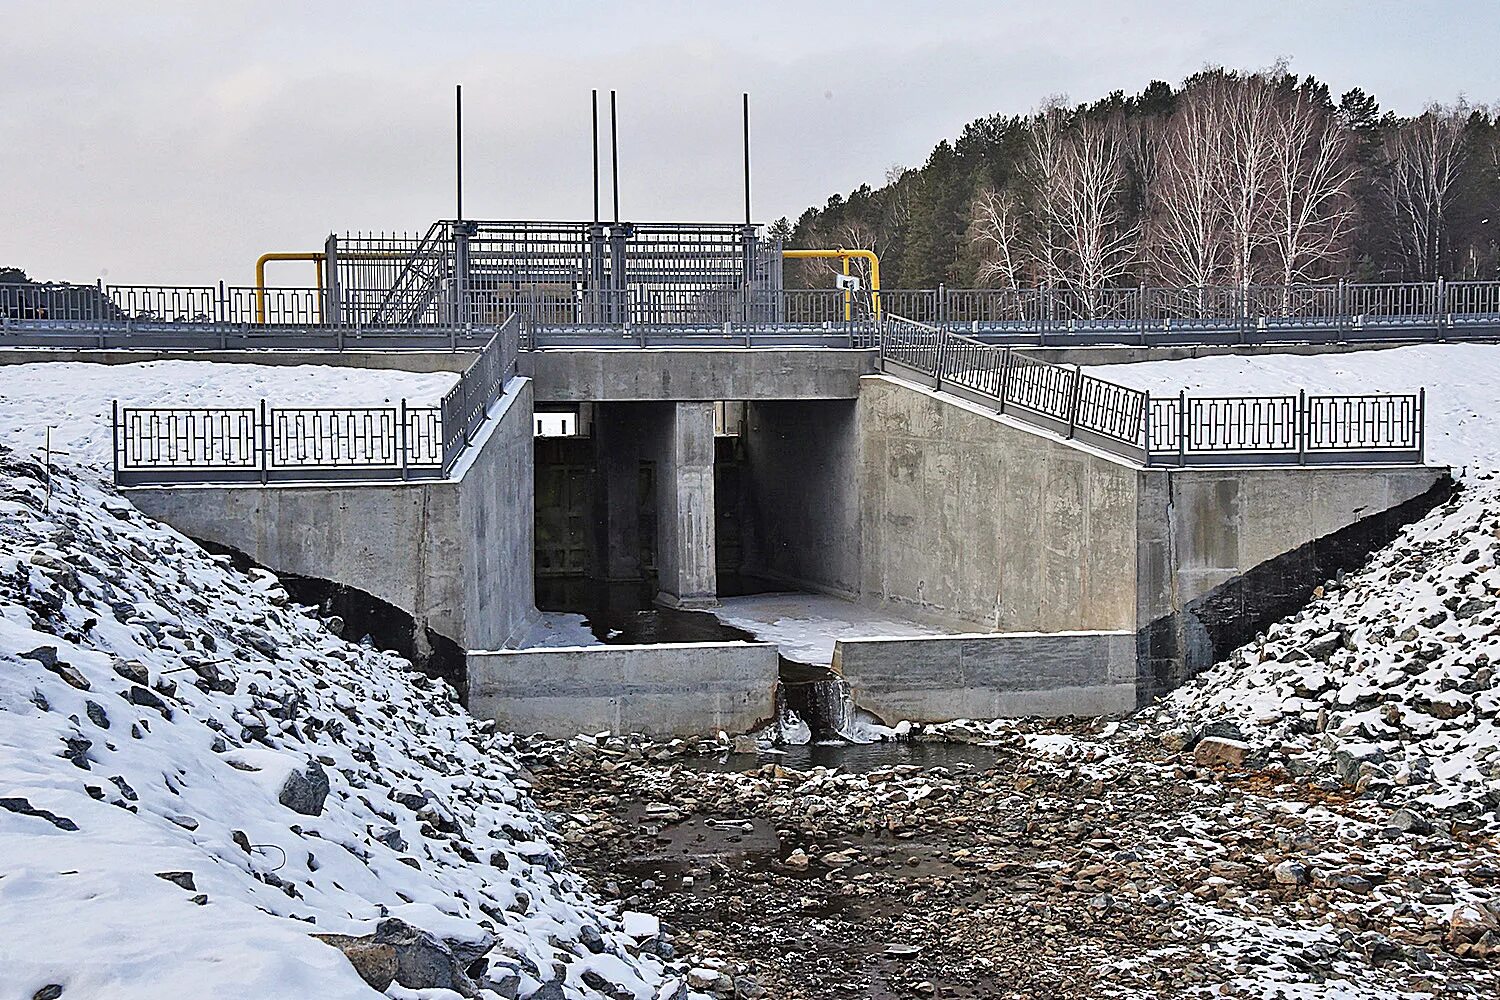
pixel 114 436
pixel 942 305
pixel 221 320
pixel 1422 425
pixel 1301 430
pixel 1073 402
pixel 401 441
pixel 1140 309
pixel 265 444
pixel 1004 376
pixel 1342 306
pixel 1182 429
pixel 937 367
pixel 1439 306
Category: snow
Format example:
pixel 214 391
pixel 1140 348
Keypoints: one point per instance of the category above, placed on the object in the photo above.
pixel 805 627
pixel 1462 383
pixel 74 397
pixel 425 819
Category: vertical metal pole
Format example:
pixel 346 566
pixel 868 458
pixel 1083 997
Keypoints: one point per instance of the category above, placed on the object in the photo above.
pixel 614 157
pixel 1422 426
pixel 747 157
pixel 595 100
pixel 1439 301
pixel 401 441
pixel 458 148
pixel 265 444
pixel 1073 403
pixel 114 435
pixel 1182 429
pixel 1301 427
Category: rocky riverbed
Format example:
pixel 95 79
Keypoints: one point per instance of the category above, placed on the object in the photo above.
pixel 1089 858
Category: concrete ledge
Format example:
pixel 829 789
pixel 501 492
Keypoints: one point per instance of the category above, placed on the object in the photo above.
pixel 986 676
pixel 678 689
pixel 690 374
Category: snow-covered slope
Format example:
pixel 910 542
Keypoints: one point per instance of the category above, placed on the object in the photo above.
pixel 1461 382
pixel 197 776
pixel 1386 682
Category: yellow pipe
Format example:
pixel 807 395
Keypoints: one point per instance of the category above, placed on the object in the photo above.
pixel 846 256
pixel 260 279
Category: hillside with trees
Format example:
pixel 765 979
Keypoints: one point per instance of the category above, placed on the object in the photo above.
pixel 1233 178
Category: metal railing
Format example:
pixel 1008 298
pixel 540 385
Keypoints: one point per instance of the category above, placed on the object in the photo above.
pixel 265 444
pixel 1181 430
pixel 392 300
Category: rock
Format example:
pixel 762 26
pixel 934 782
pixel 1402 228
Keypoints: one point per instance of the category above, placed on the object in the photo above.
pixel 1177 739
pixel 1350 759
pixel 1290 873
pixel 1218 751
pixel 746 744
pixel 47 657
pixel 797 860
pixel 1323 646
pixel 1408 821
pixel 186 822
pixel 1468 923
pixel 423 961
pixel 1224 729
pixel 702 979
pixel 147 698
pixel 374 961
pixel 49 992
pixel 305 789
pixel 182 879
pixel 25 808
pixel 132 670
pixel 96 714
pixel 591 939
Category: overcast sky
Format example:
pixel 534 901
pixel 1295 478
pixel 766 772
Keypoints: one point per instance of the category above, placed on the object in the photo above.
pixel 176 144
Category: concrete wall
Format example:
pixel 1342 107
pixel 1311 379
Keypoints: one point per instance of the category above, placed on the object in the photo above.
pixel 975 520
pixel 666 690
pixel 802 509
pixel 454 554
pixel 1220 550
pixel 691 374
pixel 934 679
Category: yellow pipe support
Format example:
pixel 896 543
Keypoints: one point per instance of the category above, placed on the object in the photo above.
pixel 260 279
pixel 846 256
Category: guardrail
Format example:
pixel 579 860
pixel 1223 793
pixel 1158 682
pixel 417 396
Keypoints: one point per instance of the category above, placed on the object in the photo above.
pixel 1329 312
pixel 156 446
pixel 559 314
pixel 1181 430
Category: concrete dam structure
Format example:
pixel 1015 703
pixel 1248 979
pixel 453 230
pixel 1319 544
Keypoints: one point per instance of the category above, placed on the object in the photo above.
pixel 1059 544
pixel 1072 580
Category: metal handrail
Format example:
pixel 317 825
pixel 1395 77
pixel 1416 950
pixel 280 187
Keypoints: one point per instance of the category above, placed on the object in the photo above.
pixel 1181 430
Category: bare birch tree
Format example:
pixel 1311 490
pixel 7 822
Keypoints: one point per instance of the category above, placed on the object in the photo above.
pixel 1098 243
pixel 1188 243
pixel 1425 157
pixel 1044 144
pixel 1246 185
pixel 1311 173
pixel 995 228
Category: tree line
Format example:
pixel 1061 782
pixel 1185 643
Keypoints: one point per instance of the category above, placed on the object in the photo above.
pixel 1233 178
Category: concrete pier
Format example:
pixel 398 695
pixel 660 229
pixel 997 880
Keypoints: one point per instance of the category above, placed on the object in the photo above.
pixel 683 449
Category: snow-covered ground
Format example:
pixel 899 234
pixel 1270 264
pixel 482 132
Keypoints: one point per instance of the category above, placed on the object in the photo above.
pixel 806 626
pixel 197 776
pixel 74 397
pixel 1462 383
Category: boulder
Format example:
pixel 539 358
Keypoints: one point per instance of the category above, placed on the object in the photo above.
pixel 1218 751
pixel 305 789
